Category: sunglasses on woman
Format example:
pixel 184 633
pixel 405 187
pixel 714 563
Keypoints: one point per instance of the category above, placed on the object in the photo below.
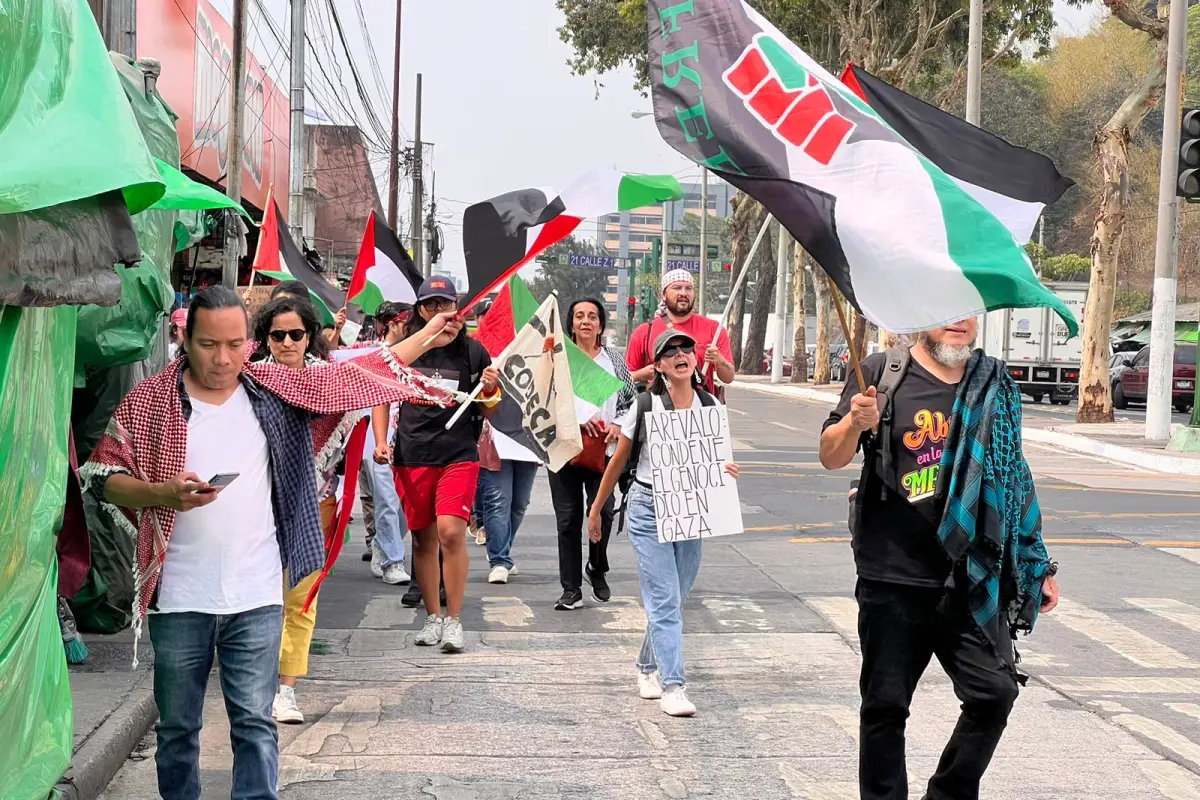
pixel 674 349
pixel 295 334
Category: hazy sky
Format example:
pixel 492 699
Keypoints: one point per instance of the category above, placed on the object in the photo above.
pixel 502 107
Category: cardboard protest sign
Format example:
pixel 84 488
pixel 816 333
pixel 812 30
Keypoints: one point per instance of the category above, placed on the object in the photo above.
pixel 694 498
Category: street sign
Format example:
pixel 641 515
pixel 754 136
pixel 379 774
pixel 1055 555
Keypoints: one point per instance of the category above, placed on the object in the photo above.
pixel 691 250
pixel 600 262
pixel 693 265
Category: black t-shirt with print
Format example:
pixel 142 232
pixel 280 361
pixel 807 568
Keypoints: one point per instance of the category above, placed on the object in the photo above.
pixel 421 436
pixel 897 537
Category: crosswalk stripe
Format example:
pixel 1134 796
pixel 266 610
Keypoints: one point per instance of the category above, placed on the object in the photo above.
pixel 1121 639
pixel 840 612
pixel 1175 782
pixel 1167 737
pixel 1173 610
pixel 507 611
pixel 1188 709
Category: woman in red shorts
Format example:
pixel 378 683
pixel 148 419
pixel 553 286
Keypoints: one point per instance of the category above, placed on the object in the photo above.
pixel 437 469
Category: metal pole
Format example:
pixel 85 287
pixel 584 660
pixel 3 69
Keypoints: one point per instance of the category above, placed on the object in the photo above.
pixel 703 238
pixel 298 148
pixel 233 151
pixel 394 155
pixel 781 258
pixel 662 264
pixel 418 200
pixel 974 70
pixel 1166 250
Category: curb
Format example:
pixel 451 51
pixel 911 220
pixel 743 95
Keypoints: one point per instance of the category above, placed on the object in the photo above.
pixel 1156 462
pixel 1172 465
pixel 104 753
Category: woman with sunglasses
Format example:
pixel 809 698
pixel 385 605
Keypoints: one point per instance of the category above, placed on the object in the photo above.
pixel 287 332
pixel 437 469
pixel 573 486
pixel 666 570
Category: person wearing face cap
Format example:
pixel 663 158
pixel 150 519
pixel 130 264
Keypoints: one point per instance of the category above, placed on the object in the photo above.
pixel 666 570
pixel 178 323
pixel 676 309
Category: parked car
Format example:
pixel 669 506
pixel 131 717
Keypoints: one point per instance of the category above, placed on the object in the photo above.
pixel 1131 384
pixel 1118 363
pixel 787 363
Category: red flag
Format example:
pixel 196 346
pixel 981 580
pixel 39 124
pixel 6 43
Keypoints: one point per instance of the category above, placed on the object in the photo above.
pixel 354 455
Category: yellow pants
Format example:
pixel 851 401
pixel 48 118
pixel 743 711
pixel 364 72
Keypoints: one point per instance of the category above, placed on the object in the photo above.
pixel 297 625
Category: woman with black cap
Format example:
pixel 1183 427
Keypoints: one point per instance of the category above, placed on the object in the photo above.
pixel 666 570
pixel 574 486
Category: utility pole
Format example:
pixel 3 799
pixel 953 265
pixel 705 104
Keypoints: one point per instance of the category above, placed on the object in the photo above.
pixel 233 151
pixel 394 155
pixel 662 264
pixel 703 236
pixel 1166 249
pixel 974 90
pixel 781 259
pixel 298 146
pixel 418 191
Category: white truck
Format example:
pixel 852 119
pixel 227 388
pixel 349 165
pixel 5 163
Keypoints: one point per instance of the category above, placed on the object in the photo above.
pixel 1033 344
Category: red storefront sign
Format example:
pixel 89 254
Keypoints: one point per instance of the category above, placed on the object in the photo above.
pixel 193 40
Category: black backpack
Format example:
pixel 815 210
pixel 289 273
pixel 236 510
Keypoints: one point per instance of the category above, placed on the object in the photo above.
pixel 878 458
pixel 644 403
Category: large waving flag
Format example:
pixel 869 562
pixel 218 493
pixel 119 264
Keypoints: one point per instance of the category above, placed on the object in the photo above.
pixel 505 233
pixel 1012 182
pixel 280 258
pixel 384 270
pixel 901 239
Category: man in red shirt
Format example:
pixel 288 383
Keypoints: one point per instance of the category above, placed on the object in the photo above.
pixel 675 311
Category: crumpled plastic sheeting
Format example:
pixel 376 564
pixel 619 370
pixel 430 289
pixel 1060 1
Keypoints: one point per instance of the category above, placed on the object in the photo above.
pixel 65 254
pixel 36 373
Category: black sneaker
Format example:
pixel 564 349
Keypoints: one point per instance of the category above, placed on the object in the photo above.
pixel 571 599
pixel 412 597
pixel 600 589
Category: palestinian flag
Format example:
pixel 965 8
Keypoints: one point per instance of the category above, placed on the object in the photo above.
pixel 899 236
pixel 512 308
pixel 278 257
pixel 1012 182
pixel 384 270
pixel 505 233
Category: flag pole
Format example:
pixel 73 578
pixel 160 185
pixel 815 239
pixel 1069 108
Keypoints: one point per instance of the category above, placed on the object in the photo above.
pixel 851 347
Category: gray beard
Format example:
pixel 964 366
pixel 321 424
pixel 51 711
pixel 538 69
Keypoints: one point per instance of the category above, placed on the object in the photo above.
pixel 949 355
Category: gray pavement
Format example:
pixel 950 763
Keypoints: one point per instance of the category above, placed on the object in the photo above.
pixel 543 704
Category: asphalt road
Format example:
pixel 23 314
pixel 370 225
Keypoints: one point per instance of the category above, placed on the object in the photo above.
pixel 1067 413
pixel 543 704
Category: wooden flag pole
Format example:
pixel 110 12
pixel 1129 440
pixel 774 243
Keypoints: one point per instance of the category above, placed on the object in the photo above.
pixel 851 347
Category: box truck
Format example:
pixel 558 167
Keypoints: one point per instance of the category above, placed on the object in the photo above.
pixel 1033 344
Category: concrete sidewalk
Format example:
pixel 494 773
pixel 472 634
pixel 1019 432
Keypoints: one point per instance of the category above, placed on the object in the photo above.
pixel 1122 441
pixel 113 708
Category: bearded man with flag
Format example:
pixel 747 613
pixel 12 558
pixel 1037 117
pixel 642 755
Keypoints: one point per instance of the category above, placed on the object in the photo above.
pixel 212 551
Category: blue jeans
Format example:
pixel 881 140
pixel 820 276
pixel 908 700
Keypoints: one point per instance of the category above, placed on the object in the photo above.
pixel 505 497
pixel 247 650
pixel 667 572
pixel 390 523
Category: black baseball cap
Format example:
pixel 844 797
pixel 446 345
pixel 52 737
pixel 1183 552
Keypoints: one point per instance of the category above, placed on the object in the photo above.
pixel 437 286
pixel 668 336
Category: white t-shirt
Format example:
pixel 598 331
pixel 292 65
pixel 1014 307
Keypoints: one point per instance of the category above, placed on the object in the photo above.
pixel 223 558
pixel 629 425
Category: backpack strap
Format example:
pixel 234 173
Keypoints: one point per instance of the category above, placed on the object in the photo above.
pixel 645 402
pixel 894 370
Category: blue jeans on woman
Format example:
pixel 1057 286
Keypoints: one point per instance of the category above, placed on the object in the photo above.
pixel 505 496
pixel 247 649
pixel 667 573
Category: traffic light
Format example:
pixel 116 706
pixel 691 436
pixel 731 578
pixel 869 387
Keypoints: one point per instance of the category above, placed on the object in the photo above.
pixel 1188 184
pixel 632 301
pixel 726 267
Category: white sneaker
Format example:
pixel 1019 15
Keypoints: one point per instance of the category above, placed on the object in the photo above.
pixel 648 686
pixel 452 636
pixel 513 571
pixel 376 561
pixel 395 574
pixel 675 702
pixel 480 535
pixel 284 709
pixel 498 575
pixel 431 634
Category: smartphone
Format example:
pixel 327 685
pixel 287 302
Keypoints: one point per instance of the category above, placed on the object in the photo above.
pixel 219 481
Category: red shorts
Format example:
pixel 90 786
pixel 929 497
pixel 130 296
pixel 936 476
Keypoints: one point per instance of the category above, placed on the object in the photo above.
pixel 430 492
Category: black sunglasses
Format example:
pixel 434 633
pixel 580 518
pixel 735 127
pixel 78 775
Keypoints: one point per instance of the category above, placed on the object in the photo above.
pixel 674 349
pixel 295 334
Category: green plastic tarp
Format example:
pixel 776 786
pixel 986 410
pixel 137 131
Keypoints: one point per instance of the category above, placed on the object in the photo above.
pixel 36 373
pixel 185 194
pixel 62 135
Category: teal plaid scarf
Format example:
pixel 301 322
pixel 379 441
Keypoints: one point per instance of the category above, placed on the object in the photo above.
pixel 991 523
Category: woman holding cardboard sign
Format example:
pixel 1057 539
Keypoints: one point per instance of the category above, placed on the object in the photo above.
pixel 666 570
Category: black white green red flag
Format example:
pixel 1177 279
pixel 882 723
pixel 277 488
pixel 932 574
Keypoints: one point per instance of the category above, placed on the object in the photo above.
pixel 506 232
pixel 280 258
pixel 384 270
pixel 901 239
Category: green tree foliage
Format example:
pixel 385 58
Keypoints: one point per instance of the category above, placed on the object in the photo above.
pixel 1067 267
pixel 571 283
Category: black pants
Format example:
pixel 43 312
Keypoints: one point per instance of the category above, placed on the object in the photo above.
pixel 901 628
pixel 567 491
